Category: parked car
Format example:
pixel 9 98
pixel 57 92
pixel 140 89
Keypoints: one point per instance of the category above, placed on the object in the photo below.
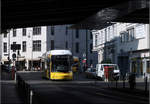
pixel 107 70
pixel 90 73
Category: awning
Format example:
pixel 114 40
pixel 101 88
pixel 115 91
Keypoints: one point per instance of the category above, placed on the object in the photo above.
pixel 35 59
pixel 4 59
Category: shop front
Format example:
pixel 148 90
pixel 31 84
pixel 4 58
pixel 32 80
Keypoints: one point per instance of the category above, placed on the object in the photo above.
pixel 34 65
pixel 140 65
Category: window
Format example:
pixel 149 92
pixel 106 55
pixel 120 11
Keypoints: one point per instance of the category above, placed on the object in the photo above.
pixel 77 33
pixel 91 47
pixel 14 43
pixel 148 66
pixel 24 46
pixel 5 47
pixel 140 31
pixel 77 47
pixel 122 37
pixel 111 33
pixel 131 34
pixel 99 40
pixel 95 40
pixel 66 30
pixel 105 35
pixel 24 32
pixel 36 30
pixel 66 45
pixel 102 68
pixel 47 64
pixel 5 35
pixel 127 37
pixel 108 34
pixel 52 44
pixel 91 35
pixel 14 32
pixel 52 30
pixel 37 45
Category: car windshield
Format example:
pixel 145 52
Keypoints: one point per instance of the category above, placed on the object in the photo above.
pixel 111 67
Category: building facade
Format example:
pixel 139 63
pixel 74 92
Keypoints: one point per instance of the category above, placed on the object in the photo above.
pixel 35 41
pixel 124 44
pixel 0 48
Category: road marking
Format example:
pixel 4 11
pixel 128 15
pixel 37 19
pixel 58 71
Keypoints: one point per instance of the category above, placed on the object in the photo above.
pixel 100 94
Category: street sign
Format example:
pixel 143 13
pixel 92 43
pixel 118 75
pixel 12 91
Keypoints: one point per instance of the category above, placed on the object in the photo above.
pixel 84 61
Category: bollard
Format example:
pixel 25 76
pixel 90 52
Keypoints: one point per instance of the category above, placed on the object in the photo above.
pixel 31 95
pixel 13 73
pixel 116 78
pixel 116 84
pixel 146 84
pixel 123 81
pixel 15 76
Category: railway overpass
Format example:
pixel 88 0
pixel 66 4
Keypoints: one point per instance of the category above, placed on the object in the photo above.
pixel 87 14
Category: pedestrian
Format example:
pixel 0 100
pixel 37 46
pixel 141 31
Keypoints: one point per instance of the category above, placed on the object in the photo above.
pixel 91 65
pixel 106 73
pixel 13 72
pixel 132 82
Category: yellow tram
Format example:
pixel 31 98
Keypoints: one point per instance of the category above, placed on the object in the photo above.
pixel 57 65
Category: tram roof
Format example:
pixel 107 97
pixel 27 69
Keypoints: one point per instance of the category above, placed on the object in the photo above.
pixel 59 52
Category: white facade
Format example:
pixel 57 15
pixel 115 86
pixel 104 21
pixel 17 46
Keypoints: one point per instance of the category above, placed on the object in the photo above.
pixel 125 44
pixel 49 38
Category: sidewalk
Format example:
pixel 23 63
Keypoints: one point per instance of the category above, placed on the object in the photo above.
pixel 9 94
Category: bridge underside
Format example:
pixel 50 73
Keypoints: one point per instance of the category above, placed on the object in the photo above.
pixel 87 14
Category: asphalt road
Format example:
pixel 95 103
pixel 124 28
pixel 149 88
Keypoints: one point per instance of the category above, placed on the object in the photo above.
pixel 83 94
pixel 80 91
pixel 9 94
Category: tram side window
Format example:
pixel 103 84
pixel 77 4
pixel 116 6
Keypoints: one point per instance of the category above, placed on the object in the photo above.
pixel 53 64
pixel 148 66
pixel 101 68
pixel 45 64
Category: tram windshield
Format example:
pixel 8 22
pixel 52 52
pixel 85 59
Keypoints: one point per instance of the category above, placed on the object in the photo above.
pixel 61 63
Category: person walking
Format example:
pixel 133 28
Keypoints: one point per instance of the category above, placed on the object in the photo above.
pixel 106 73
